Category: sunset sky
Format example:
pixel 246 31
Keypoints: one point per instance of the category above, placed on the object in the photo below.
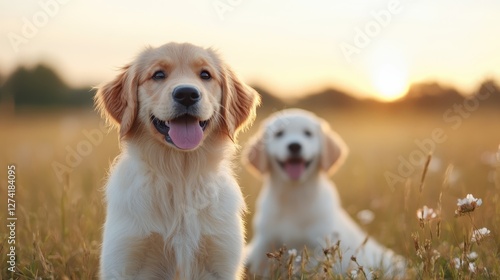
pixel 288 46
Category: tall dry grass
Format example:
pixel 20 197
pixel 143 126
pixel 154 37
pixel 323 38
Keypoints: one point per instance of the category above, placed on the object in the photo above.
pixel 59 223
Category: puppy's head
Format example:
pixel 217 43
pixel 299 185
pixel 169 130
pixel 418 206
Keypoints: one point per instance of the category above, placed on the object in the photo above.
pixel 179 94
pixel 295 144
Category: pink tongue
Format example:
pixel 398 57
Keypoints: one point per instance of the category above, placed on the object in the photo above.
pixel 185 132
pixel 294 169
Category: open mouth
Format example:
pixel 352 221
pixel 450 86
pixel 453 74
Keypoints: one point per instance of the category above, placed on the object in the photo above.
pixel 184 132
pixel 294 167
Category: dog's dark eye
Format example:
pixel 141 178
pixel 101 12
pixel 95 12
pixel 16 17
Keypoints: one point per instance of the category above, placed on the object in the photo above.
pixel 205 75
pixel 159 75
pixel 308 133
pixel 278 134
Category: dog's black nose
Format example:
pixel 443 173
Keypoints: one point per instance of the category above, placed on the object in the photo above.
pixel 294 148
pixel 186 95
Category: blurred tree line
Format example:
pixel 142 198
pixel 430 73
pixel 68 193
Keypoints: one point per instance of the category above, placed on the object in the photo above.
pixel 428 96
pixel 41 86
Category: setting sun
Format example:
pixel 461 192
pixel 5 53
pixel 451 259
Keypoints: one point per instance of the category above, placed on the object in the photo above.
pixel 388 71
pixel 390 82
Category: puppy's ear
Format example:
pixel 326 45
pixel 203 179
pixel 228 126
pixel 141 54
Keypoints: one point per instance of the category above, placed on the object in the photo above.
pixel 239 102
pixel 254 154
pixel 117 100
pixel 334 149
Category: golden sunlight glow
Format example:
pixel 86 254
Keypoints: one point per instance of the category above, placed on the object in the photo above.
pixel 388 70
pixel 390 82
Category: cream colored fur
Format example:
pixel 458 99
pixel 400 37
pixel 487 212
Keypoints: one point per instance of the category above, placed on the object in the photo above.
pixel 171 213
pixel 305 211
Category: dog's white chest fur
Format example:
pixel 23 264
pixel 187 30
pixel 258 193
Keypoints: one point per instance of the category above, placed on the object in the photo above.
pixel 170 223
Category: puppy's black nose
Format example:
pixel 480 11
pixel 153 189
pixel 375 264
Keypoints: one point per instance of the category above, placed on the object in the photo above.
pixel 186 95
pixel 294 148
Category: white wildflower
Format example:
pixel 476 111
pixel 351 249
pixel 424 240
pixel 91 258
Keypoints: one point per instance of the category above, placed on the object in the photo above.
pixel 435 254
pixel 354 273
pixel 479 234
pixel 292 252
pixel 298 258
pixel 467 204
pixel 365 216
pixel 459 264
pixel 468 200
pixel 472 267
pixel 426 213
pixel 472 256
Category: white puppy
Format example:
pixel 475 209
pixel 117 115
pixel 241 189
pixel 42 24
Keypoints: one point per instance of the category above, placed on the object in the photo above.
pixel 298 205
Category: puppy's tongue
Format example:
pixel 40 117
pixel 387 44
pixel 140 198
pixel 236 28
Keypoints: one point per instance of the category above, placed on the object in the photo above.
pixel 185 132
pixel 295 168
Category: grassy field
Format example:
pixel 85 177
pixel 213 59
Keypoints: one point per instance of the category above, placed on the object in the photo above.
pixel 60 213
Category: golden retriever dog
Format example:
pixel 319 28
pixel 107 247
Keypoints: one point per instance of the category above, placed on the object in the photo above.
pixel 173 206
pixel 298 205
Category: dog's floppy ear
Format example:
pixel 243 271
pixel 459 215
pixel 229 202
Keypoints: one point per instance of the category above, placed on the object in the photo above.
pixel 239 102
pixel 117 100
pixel 254 154
pixel 334 149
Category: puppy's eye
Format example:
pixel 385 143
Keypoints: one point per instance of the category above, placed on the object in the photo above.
pixel 205 75
pixel 159 75
pixel 278 134
pixel 307 133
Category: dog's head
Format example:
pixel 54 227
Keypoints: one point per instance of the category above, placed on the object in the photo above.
pixel 179 94
pixel 295 144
